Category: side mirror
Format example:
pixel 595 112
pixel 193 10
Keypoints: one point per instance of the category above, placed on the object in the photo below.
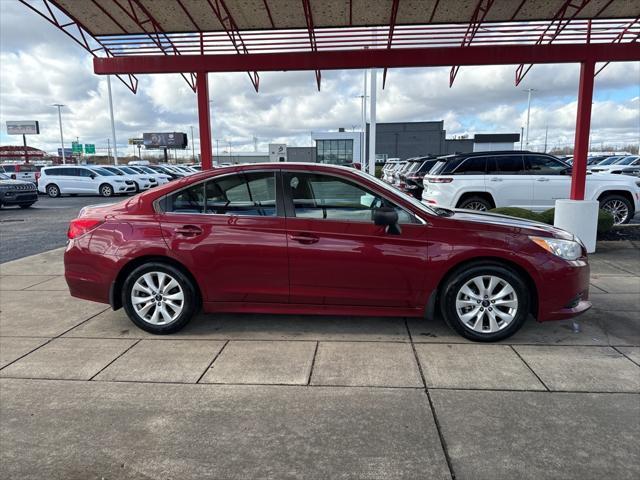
pixel 92 175
pixel 388 217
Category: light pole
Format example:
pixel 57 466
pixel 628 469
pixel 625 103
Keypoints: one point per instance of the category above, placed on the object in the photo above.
pixel 59 105
pixel 529 90
pixel 193 151
pixel 113 127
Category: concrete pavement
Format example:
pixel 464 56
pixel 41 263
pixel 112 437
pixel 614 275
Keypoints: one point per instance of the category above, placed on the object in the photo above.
pixel 85 394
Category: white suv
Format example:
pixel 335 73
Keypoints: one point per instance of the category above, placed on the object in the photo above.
pixel 63 180
pixel 484 180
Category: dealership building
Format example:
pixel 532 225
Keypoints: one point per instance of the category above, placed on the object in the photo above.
pixel 404 140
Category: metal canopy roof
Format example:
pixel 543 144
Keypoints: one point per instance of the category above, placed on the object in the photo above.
pixel 112 17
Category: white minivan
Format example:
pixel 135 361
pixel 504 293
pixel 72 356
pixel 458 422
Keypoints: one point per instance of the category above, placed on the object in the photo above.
pixel 78 179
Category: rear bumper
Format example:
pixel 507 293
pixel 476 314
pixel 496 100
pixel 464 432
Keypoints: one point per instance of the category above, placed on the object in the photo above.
pixel 88 275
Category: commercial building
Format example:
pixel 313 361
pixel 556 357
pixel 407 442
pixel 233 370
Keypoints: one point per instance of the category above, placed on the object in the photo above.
pixel 404 140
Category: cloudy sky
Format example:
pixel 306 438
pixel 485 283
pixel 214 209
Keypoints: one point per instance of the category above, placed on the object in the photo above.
pixel 41 66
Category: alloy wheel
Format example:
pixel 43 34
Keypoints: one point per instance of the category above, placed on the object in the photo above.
pixel 476 206
pixel 106 191
pixel 157 298
pixel 486 304
pixel 618 210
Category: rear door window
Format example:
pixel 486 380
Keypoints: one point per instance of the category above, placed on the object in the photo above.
pixel 542 165
pixel 505 165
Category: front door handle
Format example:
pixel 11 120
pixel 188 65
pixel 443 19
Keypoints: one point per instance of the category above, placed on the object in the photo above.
pixel 304 238
pixel 188 230
pixel 542 179
pixel 496 179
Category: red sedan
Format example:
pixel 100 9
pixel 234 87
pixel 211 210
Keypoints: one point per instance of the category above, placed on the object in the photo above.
pixel 319 239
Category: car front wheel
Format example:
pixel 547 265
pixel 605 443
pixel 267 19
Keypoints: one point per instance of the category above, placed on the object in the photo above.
pixel 106 190
pixel 485 302
pixel 159 298
pixel 619 207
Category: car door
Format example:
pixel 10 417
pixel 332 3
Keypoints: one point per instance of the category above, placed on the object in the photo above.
pixel 87 181
pixel 551 180
pixel 507 183
pixel 230 232
pixel 337 256
pixel 69 180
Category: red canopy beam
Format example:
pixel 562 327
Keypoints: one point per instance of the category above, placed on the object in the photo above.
pixel 479 14
pixel 392 26
pixel 154 33
pixel 371 58
pixel 566 13
pixel 79 36
pixel 230 26
pixel 202 89
pixel 312 35
pixel 621 36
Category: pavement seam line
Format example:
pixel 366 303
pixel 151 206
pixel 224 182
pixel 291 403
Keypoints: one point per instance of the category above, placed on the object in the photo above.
pixel 114 360
pixel 313 362
pixel 28 353
pixel 530 369
pixel 214 359
pixel 39 283
pixel 624 355
pixel 443 442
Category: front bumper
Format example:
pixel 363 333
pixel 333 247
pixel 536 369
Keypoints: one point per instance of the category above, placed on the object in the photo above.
pixel 563 292
pixel 19 198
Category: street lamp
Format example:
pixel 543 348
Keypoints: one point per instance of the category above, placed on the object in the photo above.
pixel 529 90
pixel 59 105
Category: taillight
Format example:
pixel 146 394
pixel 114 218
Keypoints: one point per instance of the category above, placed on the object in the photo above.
pixel 80 226
pixel 441 180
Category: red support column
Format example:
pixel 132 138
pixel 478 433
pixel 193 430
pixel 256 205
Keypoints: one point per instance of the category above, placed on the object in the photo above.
pixel 583 124
pixel 202 88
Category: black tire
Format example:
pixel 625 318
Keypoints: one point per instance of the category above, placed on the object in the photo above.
pixel 53 190
pixel 459 278
pixel 475 202
pixel 106 190
pixel 137 187
pixel 189 307
pixel 26 205
pixel 616 205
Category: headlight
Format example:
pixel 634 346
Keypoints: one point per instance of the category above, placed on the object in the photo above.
pixel 567 249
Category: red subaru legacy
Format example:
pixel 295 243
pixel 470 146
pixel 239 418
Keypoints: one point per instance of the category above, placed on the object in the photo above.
pixel 319 239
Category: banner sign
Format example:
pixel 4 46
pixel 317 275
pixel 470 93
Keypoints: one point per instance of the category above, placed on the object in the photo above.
pixel 165 140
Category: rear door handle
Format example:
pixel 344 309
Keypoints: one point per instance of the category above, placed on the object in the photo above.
pixel 496 179
pixel 188 230
pixel 542 179
pixel 305 238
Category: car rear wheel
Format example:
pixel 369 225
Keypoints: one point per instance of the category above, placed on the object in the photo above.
pixel 53 191
pixel 485 302
pixel 619 207
pixel 159 298
pixel 106 190
pixel 475 203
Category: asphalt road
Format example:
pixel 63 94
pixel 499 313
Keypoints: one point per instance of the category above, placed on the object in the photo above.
pixel 42 227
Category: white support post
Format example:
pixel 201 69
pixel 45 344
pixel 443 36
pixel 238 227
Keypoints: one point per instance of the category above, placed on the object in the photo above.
pixel 372 126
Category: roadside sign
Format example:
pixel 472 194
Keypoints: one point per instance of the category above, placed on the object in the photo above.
pixel 90 148
pixel 136 141
pixel 67 152
pixel 76 147
pixel 23 127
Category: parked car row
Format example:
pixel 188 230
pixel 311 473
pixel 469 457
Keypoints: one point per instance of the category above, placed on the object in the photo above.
pixel 107 180
pixel 534 181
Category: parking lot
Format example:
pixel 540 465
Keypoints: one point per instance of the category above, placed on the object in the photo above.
pixel 85 394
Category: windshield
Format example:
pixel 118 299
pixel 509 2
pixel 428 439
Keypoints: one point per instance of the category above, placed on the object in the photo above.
pixel 103 172
pixel 128 170
pixel 609 161
pixel 409 198
pixel 626 161
pixel 146 170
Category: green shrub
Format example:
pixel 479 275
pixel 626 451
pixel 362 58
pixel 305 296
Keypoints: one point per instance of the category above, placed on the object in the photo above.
pixel 517 212
pixel 605 219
